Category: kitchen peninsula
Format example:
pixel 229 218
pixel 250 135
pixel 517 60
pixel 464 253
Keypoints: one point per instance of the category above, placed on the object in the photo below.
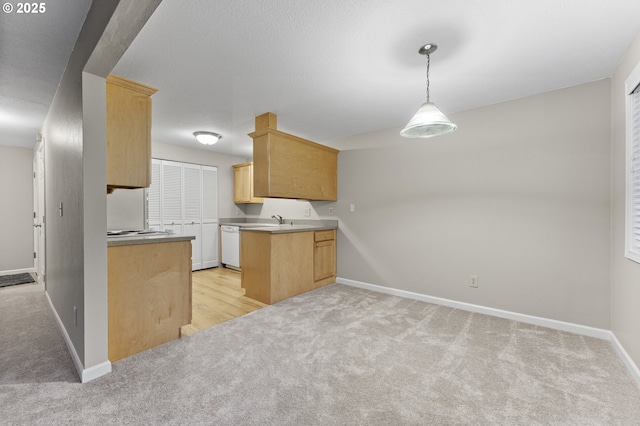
pixel 149 290
pixel 282 261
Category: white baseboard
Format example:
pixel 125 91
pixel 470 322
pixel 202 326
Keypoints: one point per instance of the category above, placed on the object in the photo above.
pixel 18 271
pixel 84 374
pixel 626 359
pixel 584 330
pixel 598 333
pixel 96 371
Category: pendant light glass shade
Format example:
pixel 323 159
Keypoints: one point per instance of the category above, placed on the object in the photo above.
pixel 429 121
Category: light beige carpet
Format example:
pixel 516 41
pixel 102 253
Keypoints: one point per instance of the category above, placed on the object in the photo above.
pixel 343 356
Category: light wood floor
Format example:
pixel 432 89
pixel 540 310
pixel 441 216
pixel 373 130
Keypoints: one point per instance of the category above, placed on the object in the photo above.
pixel 217 297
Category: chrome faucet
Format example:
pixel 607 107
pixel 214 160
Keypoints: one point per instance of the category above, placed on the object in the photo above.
pixel 279 218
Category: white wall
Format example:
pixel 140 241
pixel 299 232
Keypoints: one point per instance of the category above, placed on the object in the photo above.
pixel 16 213
pixel 289 209
pixel 519 195
pixel 125 209
pixel 625 274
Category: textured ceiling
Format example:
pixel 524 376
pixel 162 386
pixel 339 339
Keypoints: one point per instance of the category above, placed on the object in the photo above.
pixel 331 68
pixel 34 51
pixel 328 68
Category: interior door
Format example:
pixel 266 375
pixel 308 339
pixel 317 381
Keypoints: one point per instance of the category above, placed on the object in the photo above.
pixel 192 178
pixel 38 216
pixel 171 193
pixel 210 244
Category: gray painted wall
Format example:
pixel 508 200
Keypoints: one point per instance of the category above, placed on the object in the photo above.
pixel 518 195
pixel 525 208
pixel 16 213
pixel 65 174
pixel 76 177
pixel 625 274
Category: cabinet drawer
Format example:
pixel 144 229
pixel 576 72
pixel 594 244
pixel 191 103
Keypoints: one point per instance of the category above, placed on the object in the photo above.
pixel 325 235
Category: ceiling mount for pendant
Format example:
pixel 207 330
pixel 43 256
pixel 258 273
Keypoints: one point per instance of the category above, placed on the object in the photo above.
pixel 429 121
pixel 428 49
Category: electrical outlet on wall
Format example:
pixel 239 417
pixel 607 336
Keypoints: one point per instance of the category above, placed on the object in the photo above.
pixel 307 212
pixel 473 281
pixel 331 211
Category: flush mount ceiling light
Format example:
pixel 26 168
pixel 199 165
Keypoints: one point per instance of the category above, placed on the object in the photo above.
pixel 207 138
pixel 429 121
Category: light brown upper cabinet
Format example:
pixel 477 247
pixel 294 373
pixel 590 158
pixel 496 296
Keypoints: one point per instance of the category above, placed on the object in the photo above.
pixel 286 166
pixel 243 185
pixel 128 133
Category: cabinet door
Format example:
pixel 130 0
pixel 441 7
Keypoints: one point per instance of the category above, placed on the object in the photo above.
pixel 241 184
pixel 128 137
pixel 324 260
pixel 172 196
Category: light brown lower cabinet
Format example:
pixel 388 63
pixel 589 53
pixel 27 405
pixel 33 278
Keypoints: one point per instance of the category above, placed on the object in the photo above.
pixel 149 295
pixel 276 266
pixel 324 257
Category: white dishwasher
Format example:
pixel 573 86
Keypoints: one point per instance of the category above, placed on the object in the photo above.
pixel 230 246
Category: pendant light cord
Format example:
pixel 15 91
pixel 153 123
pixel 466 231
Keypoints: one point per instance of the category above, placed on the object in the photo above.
pixel 428 64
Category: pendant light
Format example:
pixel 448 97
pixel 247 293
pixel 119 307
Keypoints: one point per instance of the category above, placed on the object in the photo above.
pixel 207 138
pixel 429 121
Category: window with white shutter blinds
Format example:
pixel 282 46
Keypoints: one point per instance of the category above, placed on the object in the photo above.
pixel 635 167
pixel 632 250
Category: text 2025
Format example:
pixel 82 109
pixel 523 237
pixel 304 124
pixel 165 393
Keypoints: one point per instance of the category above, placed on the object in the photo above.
pixel 31 8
